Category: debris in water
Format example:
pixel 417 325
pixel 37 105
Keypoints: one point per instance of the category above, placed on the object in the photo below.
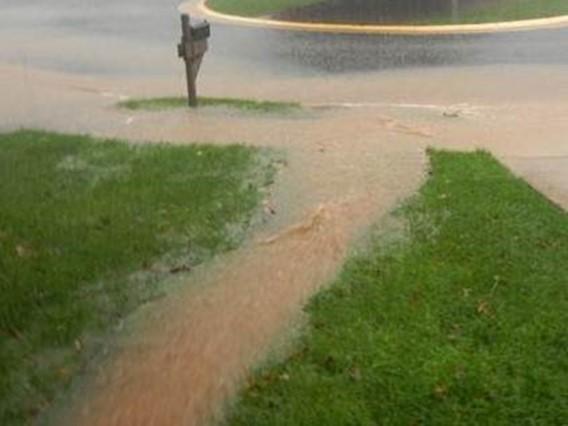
pixel 269 207
pixel 313 223
pixel 399 127
pixel 452 113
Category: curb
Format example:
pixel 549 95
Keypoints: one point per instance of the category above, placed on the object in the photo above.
pixel 523 25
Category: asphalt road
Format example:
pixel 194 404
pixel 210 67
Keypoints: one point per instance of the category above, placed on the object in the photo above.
pixel 138 37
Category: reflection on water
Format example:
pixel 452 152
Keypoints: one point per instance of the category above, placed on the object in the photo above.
pixel 383 11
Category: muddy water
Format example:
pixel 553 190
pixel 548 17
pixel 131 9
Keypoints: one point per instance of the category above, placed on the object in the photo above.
pixel 356 153
pixel 385 12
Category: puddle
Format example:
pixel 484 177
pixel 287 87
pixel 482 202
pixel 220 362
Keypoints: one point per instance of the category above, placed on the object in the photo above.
pixel 388 12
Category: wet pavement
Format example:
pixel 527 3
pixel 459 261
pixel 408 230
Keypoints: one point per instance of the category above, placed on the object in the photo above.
pixel 373 105
pixel 137 38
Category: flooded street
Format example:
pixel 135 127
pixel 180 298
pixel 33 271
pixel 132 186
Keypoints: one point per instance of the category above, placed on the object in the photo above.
pixel 373 106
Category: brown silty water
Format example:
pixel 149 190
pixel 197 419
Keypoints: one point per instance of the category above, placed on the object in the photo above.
pixel 353 157
pixel 389 12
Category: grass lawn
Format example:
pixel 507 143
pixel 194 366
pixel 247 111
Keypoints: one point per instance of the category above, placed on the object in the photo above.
pixel 462 320
pixel 256 7
pixel 156 104
pixel 89 229
pixel 514 10
pixel 501 10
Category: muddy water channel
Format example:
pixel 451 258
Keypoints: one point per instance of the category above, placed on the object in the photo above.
pixel 386 11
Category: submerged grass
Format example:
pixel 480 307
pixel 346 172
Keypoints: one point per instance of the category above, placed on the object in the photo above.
pixel 251 105
pixel 78 216
pixel 463 322
pixel 490 11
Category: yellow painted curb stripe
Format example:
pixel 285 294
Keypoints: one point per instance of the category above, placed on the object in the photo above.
pixel 524 25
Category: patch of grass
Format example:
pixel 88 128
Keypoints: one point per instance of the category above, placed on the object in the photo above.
pixel 256 7
pixel 462 322
pixel 89 229
pixel 154 104
pixel 503 10
pixel 512 10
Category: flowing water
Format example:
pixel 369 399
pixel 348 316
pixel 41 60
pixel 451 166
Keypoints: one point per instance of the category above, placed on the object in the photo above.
pixel 355 154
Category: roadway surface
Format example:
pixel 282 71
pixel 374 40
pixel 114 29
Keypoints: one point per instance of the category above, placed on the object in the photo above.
pixel 138 38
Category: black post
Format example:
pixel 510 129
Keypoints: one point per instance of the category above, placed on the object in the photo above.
pixel 186 49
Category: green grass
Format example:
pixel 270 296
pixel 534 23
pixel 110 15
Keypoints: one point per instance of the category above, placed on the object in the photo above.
pixel 89 230
pixel 513 10
pixel 256 7
pixel 155 104
pixel 504 10
pixel 461 321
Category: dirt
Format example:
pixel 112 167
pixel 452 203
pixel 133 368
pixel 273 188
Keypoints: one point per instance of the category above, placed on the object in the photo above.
pixel 356 154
